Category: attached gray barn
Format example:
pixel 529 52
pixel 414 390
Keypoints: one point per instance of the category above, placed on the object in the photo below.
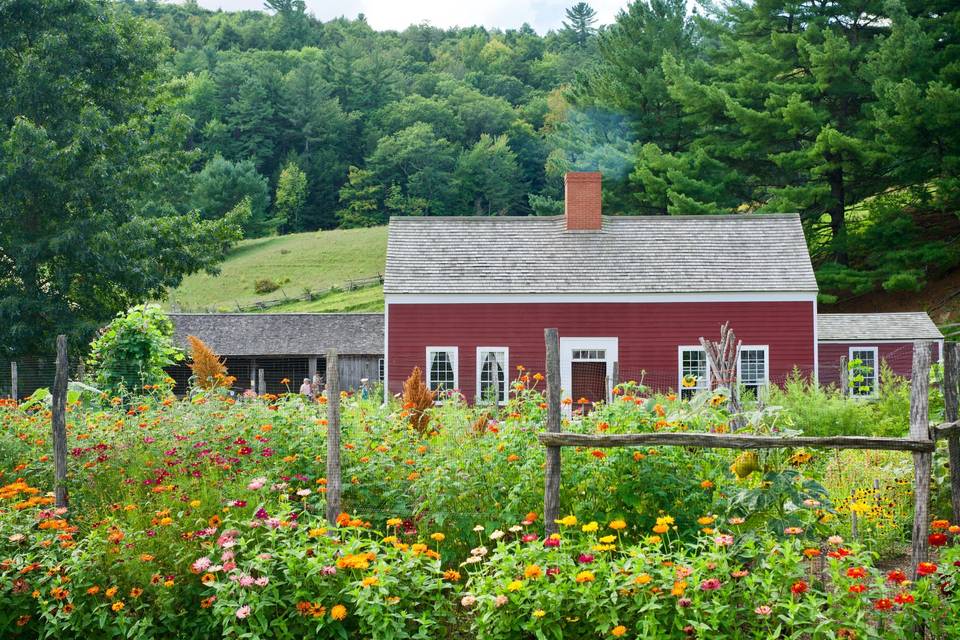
pixel 288 346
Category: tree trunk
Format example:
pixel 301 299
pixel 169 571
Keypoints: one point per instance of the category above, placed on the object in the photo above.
pixel 837 211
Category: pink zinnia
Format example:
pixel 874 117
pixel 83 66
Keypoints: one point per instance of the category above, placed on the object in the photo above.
pixel 551 542
pixel 724 540
pixel 246 581
pixel 243 611
pixel 201 564
pixel 585 558
pixel 763 610
pixel 711 584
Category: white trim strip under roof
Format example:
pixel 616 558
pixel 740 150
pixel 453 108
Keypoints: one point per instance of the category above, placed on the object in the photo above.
pixel 474 298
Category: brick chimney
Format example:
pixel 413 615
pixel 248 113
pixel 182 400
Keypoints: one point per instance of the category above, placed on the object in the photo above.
pixel 582 201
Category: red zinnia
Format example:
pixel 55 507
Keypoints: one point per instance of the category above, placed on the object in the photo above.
pixel 897 576
pixel 858 588
pixel 904 598
pixel 799 587
pixel 856 572
pixel 926 568
pixel 883 604
pixel 937 539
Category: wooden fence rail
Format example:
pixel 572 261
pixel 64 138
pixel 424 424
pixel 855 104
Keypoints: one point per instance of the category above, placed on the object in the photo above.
pixel 921 441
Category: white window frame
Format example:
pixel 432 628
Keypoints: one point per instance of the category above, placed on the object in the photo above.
pixel 680 351
pixel 381 369
pixel 875 374
pixel 454 362
pixel 481 352
pixel 766 361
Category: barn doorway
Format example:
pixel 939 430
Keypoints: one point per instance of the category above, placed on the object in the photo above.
pixel 586 365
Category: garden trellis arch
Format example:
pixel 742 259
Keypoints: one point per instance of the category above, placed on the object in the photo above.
pixel 921 441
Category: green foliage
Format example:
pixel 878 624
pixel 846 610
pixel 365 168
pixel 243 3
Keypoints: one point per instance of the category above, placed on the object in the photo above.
pixel 94 210
pixel 488 175
pixel 222 184
pixel 360 198
pixel 130 354
pixel 819 411
pixel 291 197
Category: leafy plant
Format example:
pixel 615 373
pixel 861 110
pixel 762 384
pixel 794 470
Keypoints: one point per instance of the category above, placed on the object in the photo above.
pixel 131 353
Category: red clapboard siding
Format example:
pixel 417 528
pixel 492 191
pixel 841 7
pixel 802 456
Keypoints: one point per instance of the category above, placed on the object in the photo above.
pixel 648 333
pixel 898 356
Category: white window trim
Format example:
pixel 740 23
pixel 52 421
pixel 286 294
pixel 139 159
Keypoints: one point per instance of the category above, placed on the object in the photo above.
pixel 875 381
pixel 690 347
pixel 454 361
pixel 506 371
pixel 766 361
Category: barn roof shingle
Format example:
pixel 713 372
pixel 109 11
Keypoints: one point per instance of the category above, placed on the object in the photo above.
pixel 287 334
pixel 630 254
pixel 843 327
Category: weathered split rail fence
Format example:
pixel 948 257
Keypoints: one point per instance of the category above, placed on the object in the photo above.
pixel 921 441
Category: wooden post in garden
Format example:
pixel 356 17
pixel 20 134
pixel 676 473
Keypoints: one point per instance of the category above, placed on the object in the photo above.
pixel 614 377
pixel 844 376
pixel 59 424
pixel 13 381
pixel 333 437
pixel 261 382
pixel 951 398
pixel 551 488
pixel 922 461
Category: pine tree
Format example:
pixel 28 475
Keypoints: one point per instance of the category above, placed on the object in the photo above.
pixel 580 29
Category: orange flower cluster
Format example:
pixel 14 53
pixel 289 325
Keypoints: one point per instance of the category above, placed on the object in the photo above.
pixel 356 560
pixel 14 489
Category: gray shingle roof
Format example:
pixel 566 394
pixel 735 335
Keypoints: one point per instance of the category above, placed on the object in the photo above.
pixel 288 334
pixel 841 327
pixel 631 254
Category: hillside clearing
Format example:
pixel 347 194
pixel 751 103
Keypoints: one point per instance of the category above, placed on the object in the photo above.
pixel 297 262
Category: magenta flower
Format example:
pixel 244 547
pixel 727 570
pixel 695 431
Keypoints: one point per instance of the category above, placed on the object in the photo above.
pixel 585 558
pixel 711 584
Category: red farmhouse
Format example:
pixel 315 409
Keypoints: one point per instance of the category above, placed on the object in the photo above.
pixel 468 298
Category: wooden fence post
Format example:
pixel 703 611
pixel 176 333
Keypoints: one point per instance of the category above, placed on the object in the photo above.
pixel 333 437
pixel 13 381
pixel 922 461
pixel 261 382
pixel 844 382
pixel 551 488
pixel 59 424
pixel 951 399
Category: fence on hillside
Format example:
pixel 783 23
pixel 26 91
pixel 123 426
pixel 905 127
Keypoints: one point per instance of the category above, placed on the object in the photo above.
pixel 921 441
pixel 307 296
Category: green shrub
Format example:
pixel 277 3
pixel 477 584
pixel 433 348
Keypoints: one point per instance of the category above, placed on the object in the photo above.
pixel 131 353
pixel 265 285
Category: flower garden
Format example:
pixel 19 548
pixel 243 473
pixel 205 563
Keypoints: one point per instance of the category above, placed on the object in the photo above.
pixel 204 517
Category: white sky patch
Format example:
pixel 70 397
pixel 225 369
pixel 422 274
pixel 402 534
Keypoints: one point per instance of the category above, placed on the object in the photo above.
pixel 542 15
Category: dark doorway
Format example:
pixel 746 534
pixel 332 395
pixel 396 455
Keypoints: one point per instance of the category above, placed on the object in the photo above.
pixel 588 380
